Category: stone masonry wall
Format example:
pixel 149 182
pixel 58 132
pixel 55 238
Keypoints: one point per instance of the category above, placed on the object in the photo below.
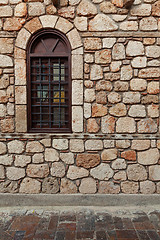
pixel 114 147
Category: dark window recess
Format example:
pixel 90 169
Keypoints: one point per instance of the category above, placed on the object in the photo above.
pixel 49 86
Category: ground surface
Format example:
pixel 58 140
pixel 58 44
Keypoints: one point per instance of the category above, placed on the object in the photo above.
pixel 82 223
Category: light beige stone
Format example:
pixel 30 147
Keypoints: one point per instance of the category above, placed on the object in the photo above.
pixel 137 111
pixel 154 63
pixel 136 172
pixel 34 146
pixel 102 172
pixel 19 53
pixel 148 24
pixel 103 85
pixel 140 145
pixel 118 52
pixel 60 144
pixel 108 143
pixel 109 154
pixel 6 61
pixel 123 143
pixel 77 92
pixel 120 176
pixel 120 86
pixel 2 172
pixel 63 25
pixel 108 124
pixel 15 146
pixel 33 25
pixel 14 173
pixel 48 21
pixel 4 81
pixel 74 39
pixel 37 170
pixel 67 158
pixel 119 18
pixel 131 97
pixel 153 110
pixel 51 10
pixel 101 97
pixel 129 187
pixel 134 48
pixel 6 45
pixel 93 145
pixel 153 51
pixel 58 169
pixel 86 8
pixel 101 22
pixel 114 97
pixel 3 97
pixel 77 119
pixel 115 66
pixel 81 23
pixel 6 160
pixel 75 172
pixel 125 125
pixel 92 125
pixel 149 73
pixel 139 62
pixel 156 9
pixel 129 26
pixel 67 186
pixel 103 56
pixel 20 95
pixel 36 9
pixel 76 145
pixel 108 42
pixel 20 10
pixel 37 158
pixel 108 188
pixel 154 173
pixel 67 12
pixel 77 72
pixel 148 157
pixel 6 11
pixel 46 142
pixel 92 43
pixel 137 84
pixel 12 24
pixel 3 148
pixel 21 160
pixel 2 110
pixel 88 185
pixel 7 125
pixel 88 58
pixel 119 164
pixel 51 155
pixel 107 7
pixel 141 10
pixel 96 72
pixel 21 118
pixel 30 186
pixel 147 187
pixel 118 110
pixel 89 95
pixel 73 2
pixel 126 72
pixel 87 110
pixel 20 73
pixel 146 126
pixel 50 185
pixel 22 38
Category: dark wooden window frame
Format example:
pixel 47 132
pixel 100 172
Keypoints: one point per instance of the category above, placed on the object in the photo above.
pixel 61 55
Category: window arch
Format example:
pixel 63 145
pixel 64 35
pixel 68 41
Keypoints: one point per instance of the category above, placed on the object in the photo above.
pixel 49 82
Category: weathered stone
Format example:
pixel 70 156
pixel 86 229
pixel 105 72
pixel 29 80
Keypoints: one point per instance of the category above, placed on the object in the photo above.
pixel 6 11
pixel 20 10
pixel 2 173
pixel 89 95
pixel 76 145
pixel 87 110
pixel 51 9
pixel 153 51
pixel 118 110
pixel 139 62
pixel 3 148
pixel 148 157
pixel 141 10
pixel 129 26
pixel 4 81
pixel 6 160
pixel 60 144
pixel 125 125
pixel 22 38
pixel 108 42
pixel 109 154
pixel 120 176
pixel 98 110
pixel 137 111
pixel 67 158
pixel 131 97
pixel 146 126
pixel 21 118
pixel 6 45
pixel 92 125
pixel 37 170
pixel 88 58
pixel 46 142
pixel 20 72
pixel 58 169
pixel 118 52
pixel 129 155
pixel 12 24
pixel 108 143
pixel 138 84
pixel 74 2
pixel 34 146
pixel 14 173
pixel 129 187
pixel 153 87
pixel 33 25
pixel 96 72
pixel 51 155
pixel 103 85
pixel 154 173
pixel 149 73
pixel 77 119
pixel 15 146
pixel 114 97
pixel 148 41
pixel 87 160
pixel 86 8
pixel 123 143
pixel 3 97
pixel 7 125
pixel 108 188
pixel 140 144
pixel 148 24
pixel 101 97
pixel 92 43
pixel 119 164
pixel 102 172
pixel 147 187
pixel 153 111
pixel 81 23
pixel 154 63
pixel 149 99
pixel 103 56
pixel 2 110
pixel 77 60
pixel 118 3
pixel 77 92
pixel 107 7
pixel 119 18
pixel 93 145
pixel 30 185
pixel 101 22
pixel 67 186
pixel 156 9
pixel 136 172
pixel 134 48
pixel 38 158
pixel 36 9
pixel 88 185
pixel 74 39
pixel 115 66
pixel 120 86
pixel 108 124
pixel 6 61
pixel 21 160
pixel 20 95
pixel 75 172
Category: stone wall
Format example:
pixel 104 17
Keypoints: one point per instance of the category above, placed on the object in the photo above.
pixel 114 147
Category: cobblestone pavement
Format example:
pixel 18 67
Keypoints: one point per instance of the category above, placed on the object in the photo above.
pixel 79 224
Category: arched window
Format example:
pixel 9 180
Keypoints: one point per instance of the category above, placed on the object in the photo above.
pixel 49 82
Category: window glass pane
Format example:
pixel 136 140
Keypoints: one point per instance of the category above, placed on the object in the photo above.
pixel 58 95
pixel 56 72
